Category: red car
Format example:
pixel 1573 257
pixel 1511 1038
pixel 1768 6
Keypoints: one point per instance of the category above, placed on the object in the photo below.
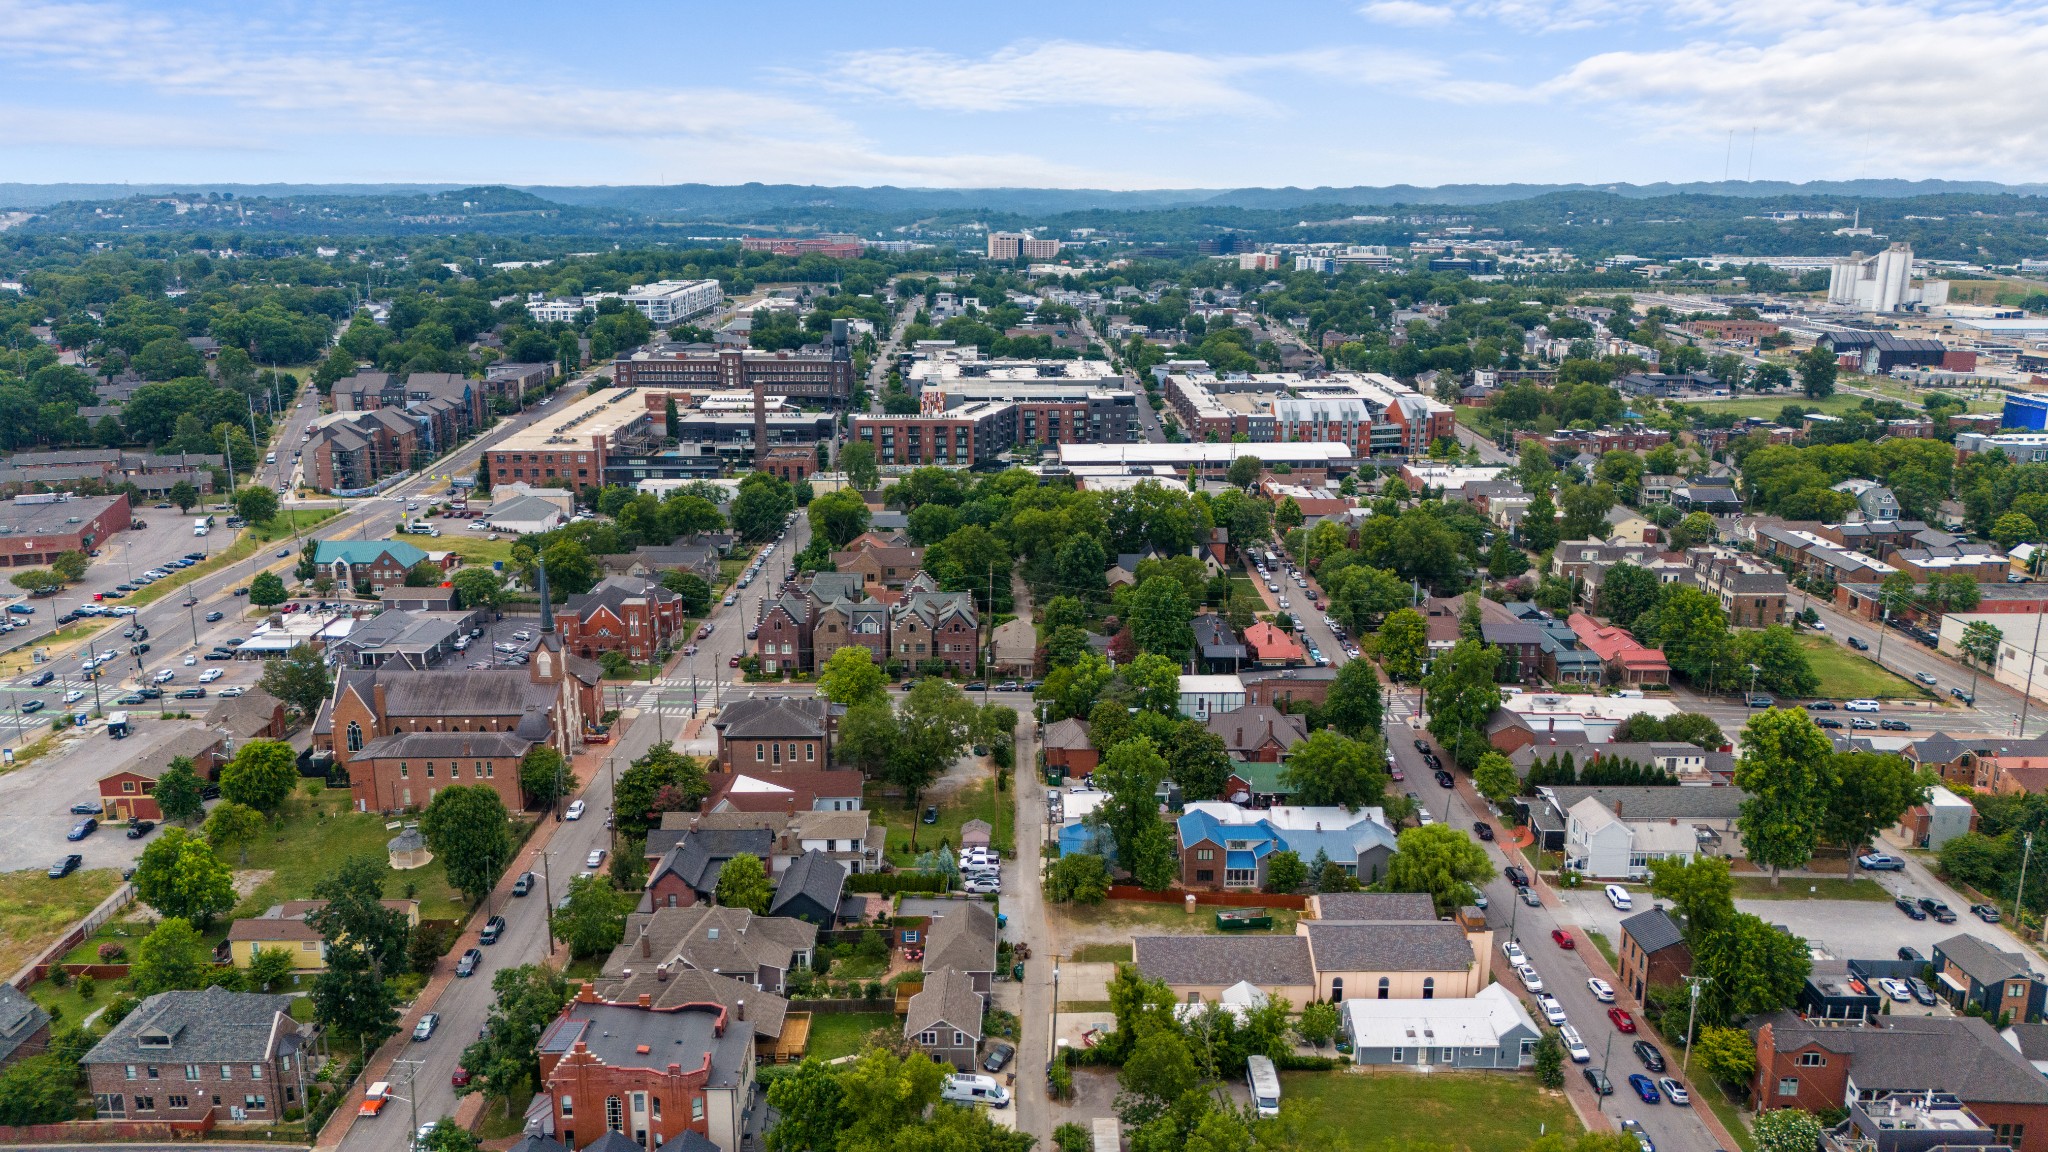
pixel 732 662
pixel 460 1078
pixel 1623 1022
pixel 1563 939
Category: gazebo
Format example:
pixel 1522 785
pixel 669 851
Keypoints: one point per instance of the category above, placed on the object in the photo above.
pixel 409 850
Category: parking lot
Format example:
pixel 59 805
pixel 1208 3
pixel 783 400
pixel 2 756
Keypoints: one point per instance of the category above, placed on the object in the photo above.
pixel 37 798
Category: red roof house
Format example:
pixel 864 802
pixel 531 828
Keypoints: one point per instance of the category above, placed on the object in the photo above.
pixel 1628 662
pixel 1273 648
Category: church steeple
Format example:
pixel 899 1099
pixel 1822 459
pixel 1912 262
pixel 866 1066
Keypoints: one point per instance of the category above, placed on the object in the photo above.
pixel 547 607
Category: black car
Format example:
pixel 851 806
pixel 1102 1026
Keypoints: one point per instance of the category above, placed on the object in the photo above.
pixel 42 678
pixel 1516 876
pixel 1422 746
pixel 1921 992
pixel 998 1055
pixel 470 959
pixel 1820 706
pixel 85 808
pixel 1602 1086
pixel 150 692
pixel 65 866
pixel 217 654
pixel 1648 1054
pixel 1911 955
pixel 494 928
pixel 1905 904
pixel 1827 722
pixel 1890 725
pixel 1988 913
pixel 213 616
pixel 137 649
pixel 1482 829
pixel 523 885
pixel 1859 645
pixel 137 829
pixel 1937 909
pixel 1446 780
pixel 193 693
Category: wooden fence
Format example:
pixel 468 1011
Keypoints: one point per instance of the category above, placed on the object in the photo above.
pixel 1294 901
pixel 37 968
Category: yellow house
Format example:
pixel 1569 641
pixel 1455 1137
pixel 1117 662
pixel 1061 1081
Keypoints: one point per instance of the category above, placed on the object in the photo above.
pixel 284 927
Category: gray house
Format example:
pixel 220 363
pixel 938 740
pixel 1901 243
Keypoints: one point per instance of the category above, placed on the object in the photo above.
pixel 1490 1030
pixel 944 1019
pixel 964 940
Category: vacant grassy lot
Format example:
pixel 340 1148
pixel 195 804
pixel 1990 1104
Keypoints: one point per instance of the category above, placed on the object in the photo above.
pixel 1810 888
pixel 1847 675
pixel 473 547
pixel 35 910
pixel 977 802
pixel 318 832
pixel 1770 406
pixel 1103 954
pixel 835 1034
pixel 1113 918
pixel 1393 1111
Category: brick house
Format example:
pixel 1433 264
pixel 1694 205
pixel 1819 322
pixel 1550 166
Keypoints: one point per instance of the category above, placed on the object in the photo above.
pixel 766 733
pixel 783 643
pixel 1066 746
pixel 1257 732
pixel 1967 971
pixel 381 564
pixel 411 766
pixel 126 792
pixel 24 1026
pixel 183 1055
pixel 878 563
pixel 939 626
pixel 844 623
pixel 649 1074
pixel 1653 953
pixel 1814 1066
pixel 622 614
pixel 1281 687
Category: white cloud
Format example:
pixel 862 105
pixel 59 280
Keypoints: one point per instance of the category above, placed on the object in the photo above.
pixel 1408 13
pixel 1052 73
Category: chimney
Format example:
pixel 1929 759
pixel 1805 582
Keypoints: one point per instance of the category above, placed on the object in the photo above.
pixel 646 1001
pixel 587 993
pixel 647 942
pixel 741 1008
pixel 1617 809
pixel 661 973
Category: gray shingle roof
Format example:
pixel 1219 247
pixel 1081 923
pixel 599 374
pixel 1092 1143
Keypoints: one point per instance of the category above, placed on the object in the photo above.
pixel 1225 960
pixel 963 938
pixel 214 1026
pixel 949 998
pixel 697 858
pixel 1653 929
pixel 772 717
pixel 20 1018
pixel 1387 907
pixel 1399 947
pixel 1982 962
pixel 1662 802
pixel 812 874
pixel 1958 1054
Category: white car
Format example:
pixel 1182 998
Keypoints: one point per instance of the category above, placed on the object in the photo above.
pixel 191 660
pixel 980 887
pixel 124 610
pixel 1574 1046
pixel 1896 989
pixel 237 690
pixel 575 811
pixel 1552 1010
pixel 1860 706
pixel 1601 989
pixel 1513 951
pixel 210 675
pixel 595 859
pixel 73 696
pixel 1530 979
pixel 163 676
pixel 1619 897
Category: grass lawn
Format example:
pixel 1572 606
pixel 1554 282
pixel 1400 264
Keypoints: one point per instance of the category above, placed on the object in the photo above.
pixel 317 833
pixel 1102 954
pixel 1847 675
pixel 1391 1111
pixel 35 910
pixel 1725 1111
pixel 980 801
pixel 858 968
pixel 1810 888
pixel 471 546
pixel 1606 948
pixel 1128 917
pixel 835 1034
pixel 504 1119
pixel 304 520
pixel 1772 405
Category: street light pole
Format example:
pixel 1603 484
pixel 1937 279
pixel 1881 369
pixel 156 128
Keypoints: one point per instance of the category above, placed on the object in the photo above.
pixel 1692 1016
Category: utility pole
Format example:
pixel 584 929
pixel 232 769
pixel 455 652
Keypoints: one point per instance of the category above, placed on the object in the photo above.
pixel 547 887
pixel 1692 1015
pixel 2019 900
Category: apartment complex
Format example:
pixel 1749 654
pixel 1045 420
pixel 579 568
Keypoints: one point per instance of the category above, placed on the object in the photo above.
pixel 1370 413
pixel 577 442
pixel 816 373
pixel 1010 245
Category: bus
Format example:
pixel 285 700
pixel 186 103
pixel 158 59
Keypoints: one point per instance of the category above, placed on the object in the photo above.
pixel 1265 1085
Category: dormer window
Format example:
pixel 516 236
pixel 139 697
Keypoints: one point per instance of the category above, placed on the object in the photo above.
pixel 153 1038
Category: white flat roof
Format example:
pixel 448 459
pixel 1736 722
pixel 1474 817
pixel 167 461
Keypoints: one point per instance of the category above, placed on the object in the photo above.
pixel 1293 452
pixel 1457 1022
pixel 1196 684
pixel 1616 708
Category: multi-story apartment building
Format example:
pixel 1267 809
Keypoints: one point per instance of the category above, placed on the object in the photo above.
pixel 1010 245
pixel 576 443
pixel 965 436
pixel 622 614
pixel 816 373
pixel 673 301
pixel 349 452
pixel 1751 592
pixel 190 1055
pixel 1370 413
pixel 832 247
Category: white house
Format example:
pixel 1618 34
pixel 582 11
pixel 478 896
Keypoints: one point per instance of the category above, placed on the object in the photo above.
pixel 1600 844
pixel 526 516
pixel 1489 1030
pixel 1203 696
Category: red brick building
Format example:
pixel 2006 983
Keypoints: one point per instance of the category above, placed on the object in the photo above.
pixel 622 614
pixel 126 792
pixel 1653 953
pixel 648 1073
pixel 973 433
pixel 1066 746
pixel 35 529
pixel 768 733
pixel 783 641
pixel 185 1055
pixel 792 462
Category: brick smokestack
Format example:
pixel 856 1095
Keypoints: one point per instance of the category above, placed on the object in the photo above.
pixel 760 424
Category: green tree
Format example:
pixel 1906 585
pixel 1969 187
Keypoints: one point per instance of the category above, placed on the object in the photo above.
pixel 850 676
pixel 449 1136
pixel 70 566
pixel 1130 774
pixel 256 504
pixel 173 957
pixel 1318 1024
pixel 1495 778
pixel 352 997
pixel 236 826
pixel 839 516
pixel 1539 522
pixel 1727 1055
pixel 694 590
pixel 301 679
pixel 1462 696
pixel 184 495
pixel 1817 372
pixel 1082 878
pixel 467 827
pixel 1692 628
pixel 36 580
pixel 40 1090
pixel 1701 891
pixel 425 574
pixel 1786 1130
pixel 857 460
pixel 1403 644
pixel 1783 771
pixel 354 915
pixel 480 587
pixel 1161 618
pixel 1550 1061
pixel 1330 769
pixel 268 968
pixel 1285 872
pixel 592 920
pixel 179 876
pixel 180 794
pixel 1072 690
pixel 1868 792
pixel 1244 471
pixel 1159 1071
pixel 1154 682
pixel 1353 705
pixel 1440 860
pixel 544 776
pixel 1626 592
pixel 932 729
pixel 743 883
pixel 1755 968
pixel 262 774
pixel 506 1058
pixel 636 796
pixel 812 1106
pixel 867 735
pixel 1585 508
pixel 1980 642
pixel 759 508
pixel 267 590
pixel 1695 529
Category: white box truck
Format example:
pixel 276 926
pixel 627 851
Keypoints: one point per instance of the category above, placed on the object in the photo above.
pixel 1265 1084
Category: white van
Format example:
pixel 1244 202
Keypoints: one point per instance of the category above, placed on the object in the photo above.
pixel 1619 897
pixel 1860 706
pixel 1264 1083
pixel 962 1088
pixel 1574 1046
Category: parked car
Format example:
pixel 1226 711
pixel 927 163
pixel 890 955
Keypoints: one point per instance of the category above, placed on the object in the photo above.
pixel 1988 913
pixel 426 1026
pixel 1635 1128
pixel 1905 904
pixel 1921 992
pixel 1530 978
pixel 1880 862
pixel 1674 1091
pixel 1859 645
pixel 1938 910
pixel 494 928
pixel 595 859
pixel 1601 989
pixel 1619 897
pixel 931 814
pixel 1623 1021
pixel 1648 1054
pixel 998 1056
pixel 1563 939
pixel 65 866
pixel 1896 989
pixel 470 959
pixel 1602 1086
pixel 1482 829
pixel 1911 955
pixel 137 829
pixel 575 811
pixel 1529 896
pixel 1645 1087
pixel 1514 954
pixel 1549 1006
pixel 83 828
pixel 523 885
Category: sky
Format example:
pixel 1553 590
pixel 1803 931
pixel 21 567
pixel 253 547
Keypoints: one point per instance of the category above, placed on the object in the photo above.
pixel 1098 95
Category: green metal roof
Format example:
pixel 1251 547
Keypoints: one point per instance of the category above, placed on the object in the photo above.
pixel 367 551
